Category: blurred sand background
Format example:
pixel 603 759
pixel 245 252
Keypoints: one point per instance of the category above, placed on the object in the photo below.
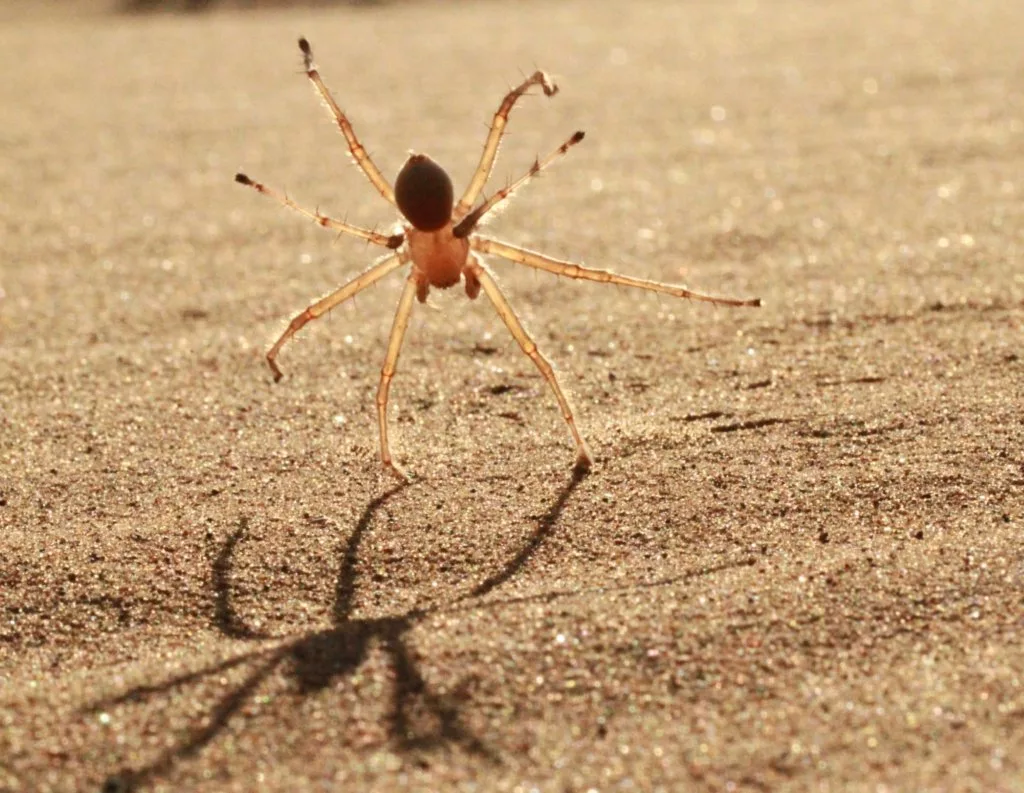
pixel 798 564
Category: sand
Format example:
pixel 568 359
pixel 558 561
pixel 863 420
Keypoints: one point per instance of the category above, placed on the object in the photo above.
pixel 798 563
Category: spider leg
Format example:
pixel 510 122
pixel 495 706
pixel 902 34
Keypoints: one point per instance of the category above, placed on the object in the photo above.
pixel 325 304
pixel 572 270
pixel 483 170
pixel 387 372
pixel 384 240
pixel 354 146
pixel 584 459
pixel 468 223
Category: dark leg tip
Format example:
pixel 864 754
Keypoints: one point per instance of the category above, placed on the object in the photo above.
pixel 304 46
pixel 241 178
pixel 584 464
pixel 578 136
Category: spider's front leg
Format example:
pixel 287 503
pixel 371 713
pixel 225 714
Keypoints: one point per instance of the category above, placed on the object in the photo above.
pixel 498 124
pixel 356 149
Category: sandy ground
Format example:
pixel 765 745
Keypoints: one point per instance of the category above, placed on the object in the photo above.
pixel 799 562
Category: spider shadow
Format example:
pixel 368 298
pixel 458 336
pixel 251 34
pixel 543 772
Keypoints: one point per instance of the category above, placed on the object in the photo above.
pixel 419 719
pixel 544 528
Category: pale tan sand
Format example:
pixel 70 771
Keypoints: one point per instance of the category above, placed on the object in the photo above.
pixel 799 563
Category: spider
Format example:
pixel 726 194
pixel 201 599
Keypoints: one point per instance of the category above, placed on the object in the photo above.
pixel 437 237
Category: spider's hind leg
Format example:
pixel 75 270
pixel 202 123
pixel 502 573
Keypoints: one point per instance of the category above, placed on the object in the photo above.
pixel 387 372
pixel 539 261
pixel 584 457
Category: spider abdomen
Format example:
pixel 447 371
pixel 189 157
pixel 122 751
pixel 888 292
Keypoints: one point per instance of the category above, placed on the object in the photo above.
pixel 424 193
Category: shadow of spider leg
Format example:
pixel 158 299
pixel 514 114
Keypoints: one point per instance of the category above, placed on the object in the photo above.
pixel 419 717
pixel 130 779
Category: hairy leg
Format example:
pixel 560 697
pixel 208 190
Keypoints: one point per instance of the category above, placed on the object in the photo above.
pixel 392 241
pixel 387 371
pixel 584 459
pixel 572 270
pixel 483 170
pixel 325 304
pixel 356 148
pixel 468 223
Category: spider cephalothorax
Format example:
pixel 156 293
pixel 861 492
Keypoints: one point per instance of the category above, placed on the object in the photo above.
pixel 440 243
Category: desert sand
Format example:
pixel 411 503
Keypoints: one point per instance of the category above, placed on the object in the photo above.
pixel 798 563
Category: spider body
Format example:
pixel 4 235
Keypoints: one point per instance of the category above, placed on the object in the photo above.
pixel 425 196
pixel 439 259
pixel 438 240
